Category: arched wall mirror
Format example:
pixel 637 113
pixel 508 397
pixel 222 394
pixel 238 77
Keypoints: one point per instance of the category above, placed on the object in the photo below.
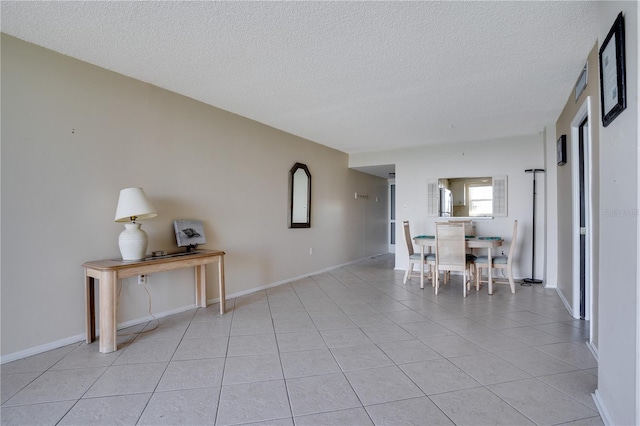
pixel 299 197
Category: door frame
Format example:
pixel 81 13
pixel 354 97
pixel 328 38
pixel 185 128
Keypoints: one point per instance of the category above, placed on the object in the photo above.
pixel 392 220
pixel 583 113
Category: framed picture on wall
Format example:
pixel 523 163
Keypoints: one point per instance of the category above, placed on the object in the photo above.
pixel 613 91
pixel 562 150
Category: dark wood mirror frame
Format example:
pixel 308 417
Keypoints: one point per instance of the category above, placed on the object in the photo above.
pixel 299 196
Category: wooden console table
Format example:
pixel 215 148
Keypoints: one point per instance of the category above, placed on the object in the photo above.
pixel 109 271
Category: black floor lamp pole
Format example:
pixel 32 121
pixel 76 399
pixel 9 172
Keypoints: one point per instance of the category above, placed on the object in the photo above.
pixel 532 280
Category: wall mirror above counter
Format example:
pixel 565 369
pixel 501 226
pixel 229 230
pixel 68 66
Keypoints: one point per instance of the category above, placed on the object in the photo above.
pixel 299 196
pixel 471 197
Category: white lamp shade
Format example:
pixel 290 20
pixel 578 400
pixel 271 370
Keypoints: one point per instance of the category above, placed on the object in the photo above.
pixel 133 203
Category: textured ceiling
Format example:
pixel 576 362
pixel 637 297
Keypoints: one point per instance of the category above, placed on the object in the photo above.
pixel 355 76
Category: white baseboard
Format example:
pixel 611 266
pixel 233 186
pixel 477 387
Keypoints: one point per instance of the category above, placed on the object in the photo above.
pixel 566 303
pixel 42 348
pixel 148 318
pixel 289 280
pixel 602 409
pixel 593 349
pixel 81 337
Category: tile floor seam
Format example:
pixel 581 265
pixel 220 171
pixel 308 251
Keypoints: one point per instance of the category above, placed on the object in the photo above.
pixel 355 393
pixel 510 405
pixel 224 366
pixel 568 396
pixel 67 411
pixel 441 410
pixel 284 379
pixel 23 387
pixel 560 390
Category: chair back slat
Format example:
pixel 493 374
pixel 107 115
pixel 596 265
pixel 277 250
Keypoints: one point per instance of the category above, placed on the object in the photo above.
pixel 513 242
pixel 407 237
pixel 450 247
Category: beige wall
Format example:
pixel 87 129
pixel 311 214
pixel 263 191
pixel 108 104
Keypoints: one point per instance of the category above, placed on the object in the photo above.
pixel 566 227
pixel 74 134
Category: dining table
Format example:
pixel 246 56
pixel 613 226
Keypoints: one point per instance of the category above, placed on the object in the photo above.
pixel 471 242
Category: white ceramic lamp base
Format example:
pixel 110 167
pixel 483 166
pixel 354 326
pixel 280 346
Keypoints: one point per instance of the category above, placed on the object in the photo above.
pixel 133 242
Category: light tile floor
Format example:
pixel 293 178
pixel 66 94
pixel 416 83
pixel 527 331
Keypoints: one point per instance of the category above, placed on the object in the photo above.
pixel 353 346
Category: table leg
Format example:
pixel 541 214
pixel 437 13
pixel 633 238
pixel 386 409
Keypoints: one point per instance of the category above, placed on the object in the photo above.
pixel 201 286
pixel 221 284
pixel 435 276
pixel 490 270
pixel 90 307
pixel 421 265
pixel 108 299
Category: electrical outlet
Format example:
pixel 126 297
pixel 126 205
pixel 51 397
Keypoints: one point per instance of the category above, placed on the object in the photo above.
pixel 142 279
pixel 310 250
pixel 502 252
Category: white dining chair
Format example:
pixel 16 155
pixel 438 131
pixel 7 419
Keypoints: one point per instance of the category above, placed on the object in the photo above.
pixel 469 229
pixel 499 262
pixel 414 258
pixel 451 254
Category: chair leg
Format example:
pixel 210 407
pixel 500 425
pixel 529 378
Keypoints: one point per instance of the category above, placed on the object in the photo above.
pixel 472 278
pixel 464 283
pixel 511 283
pixel 407 272
pixel 475 273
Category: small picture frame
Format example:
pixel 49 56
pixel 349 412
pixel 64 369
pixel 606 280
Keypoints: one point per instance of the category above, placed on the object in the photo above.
pixel 613 91
pixel 189 233
pixel 561 146
pixel 581 84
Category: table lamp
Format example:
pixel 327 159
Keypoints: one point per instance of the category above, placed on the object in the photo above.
pixel 133 205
